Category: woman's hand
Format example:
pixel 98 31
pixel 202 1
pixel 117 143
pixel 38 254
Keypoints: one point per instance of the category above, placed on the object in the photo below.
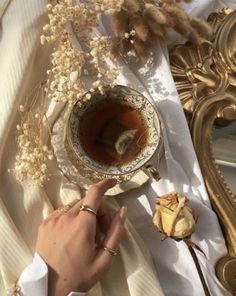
pixel 66 241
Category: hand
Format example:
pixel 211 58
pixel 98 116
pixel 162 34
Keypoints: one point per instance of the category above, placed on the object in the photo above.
pixel 66 241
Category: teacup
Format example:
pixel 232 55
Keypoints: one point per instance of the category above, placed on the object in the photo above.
pixel 85 112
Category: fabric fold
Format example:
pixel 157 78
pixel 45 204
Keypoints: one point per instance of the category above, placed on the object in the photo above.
pixel 23 64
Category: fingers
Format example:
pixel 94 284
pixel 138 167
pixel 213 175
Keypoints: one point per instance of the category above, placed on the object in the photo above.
pixel 96 192
pixel 103 218
pixel 104 259
pixel 68 208
pixel 94 196
pixel 75 209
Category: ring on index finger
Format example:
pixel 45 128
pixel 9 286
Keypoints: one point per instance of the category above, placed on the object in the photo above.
pixel 87 209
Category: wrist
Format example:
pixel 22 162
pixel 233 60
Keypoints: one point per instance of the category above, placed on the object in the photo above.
pixel 63 286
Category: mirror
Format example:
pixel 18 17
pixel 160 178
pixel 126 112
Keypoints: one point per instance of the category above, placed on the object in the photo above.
pixel 205 77
pixel 224 151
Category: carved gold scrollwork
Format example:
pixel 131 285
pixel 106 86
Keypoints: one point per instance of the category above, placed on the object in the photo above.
pixel 205 78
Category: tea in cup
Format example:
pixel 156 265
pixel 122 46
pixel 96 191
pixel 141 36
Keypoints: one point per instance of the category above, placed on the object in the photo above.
pixel 115 133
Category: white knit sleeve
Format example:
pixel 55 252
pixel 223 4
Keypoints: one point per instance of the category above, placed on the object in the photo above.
pixel 34 279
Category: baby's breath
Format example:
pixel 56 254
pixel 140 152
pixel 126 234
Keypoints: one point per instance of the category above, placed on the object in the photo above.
pixel 108 6
pixel 70 62
pixel 14 290
pixel 84 18
pixel 33 154
pixel 67 67
pixel 101 48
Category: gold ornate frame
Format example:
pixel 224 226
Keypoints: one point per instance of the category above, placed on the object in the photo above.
pixel 205 78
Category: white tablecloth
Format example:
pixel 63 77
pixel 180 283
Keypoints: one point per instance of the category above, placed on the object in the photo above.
pixel 23 64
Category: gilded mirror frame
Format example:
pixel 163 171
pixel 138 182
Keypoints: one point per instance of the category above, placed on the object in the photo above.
pixel 205 77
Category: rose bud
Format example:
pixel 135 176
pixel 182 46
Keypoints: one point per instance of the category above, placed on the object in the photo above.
pixel 173 217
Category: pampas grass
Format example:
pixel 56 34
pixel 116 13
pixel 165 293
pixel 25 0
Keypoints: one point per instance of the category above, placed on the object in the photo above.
pixel 203 28
pixel 142 23
pixel 133 6
pixel 141 28
pixel 156 15
pixel 120 23
pixel 141 50
pixel 175 12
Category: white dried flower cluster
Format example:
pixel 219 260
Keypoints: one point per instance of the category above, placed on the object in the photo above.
pixel 33 154
pixel 14 289
pixel 83 17
pixel 70 63
pixel 108 6
pixel 101 48
pixel 65 81
pixel 67 68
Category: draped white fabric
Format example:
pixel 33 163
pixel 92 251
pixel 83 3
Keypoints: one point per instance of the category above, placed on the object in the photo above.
pixel 23 63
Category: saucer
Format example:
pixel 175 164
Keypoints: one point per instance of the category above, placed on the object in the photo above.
pixel 101 122
pixel 71 170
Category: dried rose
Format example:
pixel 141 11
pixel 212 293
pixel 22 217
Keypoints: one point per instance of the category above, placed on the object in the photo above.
pixel 173 217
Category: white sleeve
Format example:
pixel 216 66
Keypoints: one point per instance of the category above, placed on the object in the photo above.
pixel 34 279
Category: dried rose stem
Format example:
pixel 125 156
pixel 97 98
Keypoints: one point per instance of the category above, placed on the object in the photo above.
pixel 198 267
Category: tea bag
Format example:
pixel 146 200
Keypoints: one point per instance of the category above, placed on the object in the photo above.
pixel 117 138
pixel 124 141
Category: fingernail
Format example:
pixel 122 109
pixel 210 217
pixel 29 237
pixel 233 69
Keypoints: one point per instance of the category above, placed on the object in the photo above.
pixel 123 214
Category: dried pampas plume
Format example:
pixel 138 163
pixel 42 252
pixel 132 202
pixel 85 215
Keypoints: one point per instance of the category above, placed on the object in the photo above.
pixel 140 26
pixel 149 21
pixel 157 15
pixel 175 11
pixel 133 6
pixel 120 23
pixel 141 50
pixel 203 28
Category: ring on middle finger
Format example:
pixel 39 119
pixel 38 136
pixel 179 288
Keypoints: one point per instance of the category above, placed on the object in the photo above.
pixel 111 251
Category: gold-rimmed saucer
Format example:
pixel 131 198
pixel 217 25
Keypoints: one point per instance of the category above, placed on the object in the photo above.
pixel 72 171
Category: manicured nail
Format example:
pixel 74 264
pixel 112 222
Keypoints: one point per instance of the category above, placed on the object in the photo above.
pixel 123 214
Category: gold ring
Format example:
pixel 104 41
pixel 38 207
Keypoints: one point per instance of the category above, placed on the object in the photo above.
pixel 64 209
pixel 111 251
pixel 87 209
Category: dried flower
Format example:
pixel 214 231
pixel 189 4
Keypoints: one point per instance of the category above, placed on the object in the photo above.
pixel 120 24
pixel 140 27
pixel 141 50
pixel 173 217
pixel 133 6
pixel 67 67
pixel 32 157
pixel 101 50
pixel 150 20
pixel 14 289
pixel 203 28
pixel 157 15
pixel 108 6
pixel 72 60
